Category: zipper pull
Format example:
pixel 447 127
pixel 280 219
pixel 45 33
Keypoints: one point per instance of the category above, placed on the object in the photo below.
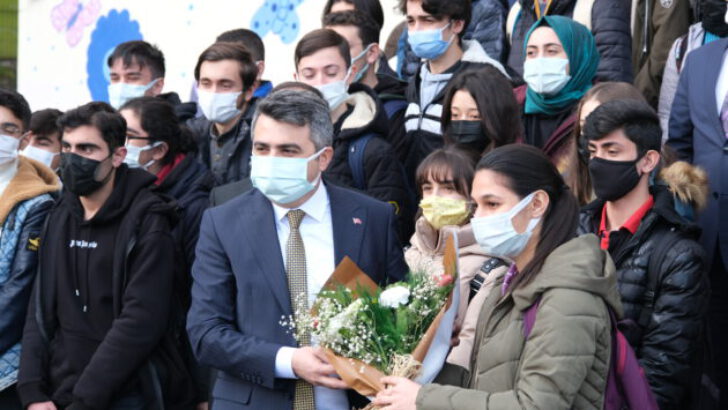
pixel 78 294
pixel 85 308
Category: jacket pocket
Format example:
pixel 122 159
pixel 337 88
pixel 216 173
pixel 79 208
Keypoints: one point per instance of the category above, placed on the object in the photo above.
pixel 231 390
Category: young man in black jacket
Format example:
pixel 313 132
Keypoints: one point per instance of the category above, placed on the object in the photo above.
pixel 103 300
pixel 661 269
pixel 362 34
pixel 435 32
pixel 226 75
pixel 360 125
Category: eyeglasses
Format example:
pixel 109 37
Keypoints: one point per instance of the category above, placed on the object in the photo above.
pixel 8 128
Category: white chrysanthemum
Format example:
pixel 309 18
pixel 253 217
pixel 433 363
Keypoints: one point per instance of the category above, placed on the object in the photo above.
pixel 394 296
pixel 344 319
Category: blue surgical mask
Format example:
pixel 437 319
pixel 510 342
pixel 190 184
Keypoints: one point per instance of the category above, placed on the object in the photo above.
pixel 364 69
pixel 120 93
pixel 282 180
pixel 429 44
pixel 497 236
pixel 545 75
pixel 133 152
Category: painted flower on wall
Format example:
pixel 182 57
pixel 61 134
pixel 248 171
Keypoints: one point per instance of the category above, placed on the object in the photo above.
pixel 111 30
pixel 72 17
pixel 279 17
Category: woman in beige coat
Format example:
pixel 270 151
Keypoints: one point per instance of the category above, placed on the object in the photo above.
pixel 443 181
pixel 526 214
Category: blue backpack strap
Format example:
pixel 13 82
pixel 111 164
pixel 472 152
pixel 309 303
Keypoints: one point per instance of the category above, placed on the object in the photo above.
pixel 392 107
pixel 356 160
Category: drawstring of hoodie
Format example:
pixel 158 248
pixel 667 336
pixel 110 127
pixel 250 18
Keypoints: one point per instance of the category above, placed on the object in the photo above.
pixel 74 259
pixel 87 287
pixel 82 296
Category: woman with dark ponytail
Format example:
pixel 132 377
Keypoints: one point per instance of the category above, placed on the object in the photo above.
pixel 526 215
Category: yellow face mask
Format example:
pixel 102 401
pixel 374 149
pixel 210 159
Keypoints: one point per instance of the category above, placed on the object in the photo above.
pixel 440 211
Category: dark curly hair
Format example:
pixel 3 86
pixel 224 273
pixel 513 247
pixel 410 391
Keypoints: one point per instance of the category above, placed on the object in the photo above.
pixel 99 115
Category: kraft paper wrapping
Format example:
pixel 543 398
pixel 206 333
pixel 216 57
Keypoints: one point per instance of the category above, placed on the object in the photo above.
pixel 356 374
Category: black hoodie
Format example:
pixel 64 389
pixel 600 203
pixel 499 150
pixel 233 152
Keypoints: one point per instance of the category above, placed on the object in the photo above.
pixel 102 299
pixel 385 179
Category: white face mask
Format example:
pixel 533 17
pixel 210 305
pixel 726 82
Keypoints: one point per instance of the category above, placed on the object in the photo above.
pixel 44 157
pixel 133 153
pixel 282 180
pixel 8 148
pixel 497 236
pixel 546 76
pixel 219 107
pixel 120 93
pixel 335 93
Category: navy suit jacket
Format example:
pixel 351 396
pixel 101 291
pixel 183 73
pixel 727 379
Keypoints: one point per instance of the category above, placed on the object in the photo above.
pixel 240 290
pixel 697 134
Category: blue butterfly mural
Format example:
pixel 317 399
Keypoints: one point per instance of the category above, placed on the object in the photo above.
pixel 279 17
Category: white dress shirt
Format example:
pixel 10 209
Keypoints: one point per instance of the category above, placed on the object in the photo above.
pixel 317 233
pixel 721 87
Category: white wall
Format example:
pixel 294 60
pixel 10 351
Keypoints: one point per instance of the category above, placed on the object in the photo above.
pixel 63 44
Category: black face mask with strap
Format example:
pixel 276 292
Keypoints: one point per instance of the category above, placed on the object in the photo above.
pixel 469 135
pixel 714 17
pixel 80 174
pixel 613 179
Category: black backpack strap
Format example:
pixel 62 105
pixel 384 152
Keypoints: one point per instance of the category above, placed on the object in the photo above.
pixel 357 147
pixel 682 49
pixel 477 282
pixel 654 275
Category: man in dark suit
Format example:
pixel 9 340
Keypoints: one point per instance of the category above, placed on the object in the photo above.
pixel 698 131
pixel 273 248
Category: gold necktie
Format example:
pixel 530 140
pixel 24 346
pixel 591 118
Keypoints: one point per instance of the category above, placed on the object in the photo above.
pixel 296 271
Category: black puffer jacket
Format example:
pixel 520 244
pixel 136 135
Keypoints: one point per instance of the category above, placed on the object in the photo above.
pixel 673 338
pixel 610 26
pixel 383 173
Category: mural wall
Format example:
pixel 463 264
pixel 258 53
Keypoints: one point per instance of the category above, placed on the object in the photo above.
pixel 63 45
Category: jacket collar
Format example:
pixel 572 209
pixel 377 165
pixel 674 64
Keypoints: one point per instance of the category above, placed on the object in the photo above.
pixel 578 264
pixel 31 179
pixel 473 52
pixel 431 241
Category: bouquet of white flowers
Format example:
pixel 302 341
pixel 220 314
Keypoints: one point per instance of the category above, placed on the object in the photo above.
pixel 403 330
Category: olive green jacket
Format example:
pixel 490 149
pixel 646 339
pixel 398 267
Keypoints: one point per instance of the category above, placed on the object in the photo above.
pixel 656 25
pixel 564 362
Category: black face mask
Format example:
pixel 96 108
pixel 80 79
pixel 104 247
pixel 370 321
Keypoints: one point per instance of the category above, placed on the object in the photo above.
pixel 79 174
pixel 613 179
pixel 714 17
pixel 469 134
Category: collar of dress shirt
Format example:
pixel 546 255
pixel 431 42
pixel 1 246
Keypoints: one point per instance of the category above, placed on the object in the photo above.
pixel 315 207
